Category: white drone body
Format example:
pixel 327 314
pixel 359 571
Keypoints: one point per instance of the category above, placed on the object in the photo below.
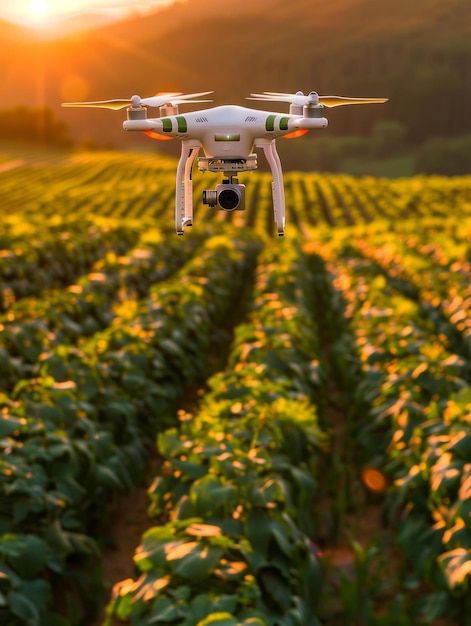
pixel 228 136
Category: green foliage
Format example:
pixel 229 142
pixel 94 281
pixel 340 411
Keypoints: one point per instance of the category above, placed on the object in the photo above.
pixel 236 480
pixel 386 140
pixel 73 429
pixel 107 320
pixel 417 392
pixel 449 157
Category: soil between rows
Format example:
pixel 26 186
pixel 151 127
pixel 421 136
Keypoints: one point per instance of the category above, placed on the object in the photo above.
pixel 130 521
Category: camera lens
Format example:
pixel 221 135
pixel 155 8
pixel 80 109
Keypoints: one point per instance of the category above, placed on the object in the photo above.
pixel 229 199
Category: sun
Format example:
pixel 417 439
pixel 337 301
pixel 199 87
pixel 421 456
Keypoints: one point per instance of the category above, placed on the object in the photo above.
pixel 38 10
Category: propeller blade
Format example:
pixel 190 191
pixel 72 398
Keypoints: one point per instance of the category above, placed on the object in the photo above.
pixel 101 104
pixel 196 95
pixel 158 100
pixel 337 101
pixel 281 93
pixel 300 99
pixel 276 97
pixel 174 99
pixel 289 96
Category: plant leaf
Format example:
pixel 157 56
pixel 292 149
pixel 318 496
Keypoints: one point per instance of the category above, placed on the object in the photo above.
pixel 218 619
pixel 9 425
pixel 456 565
pixel 198 562
pixel 209 494
pixel 22 607
pixel 203 530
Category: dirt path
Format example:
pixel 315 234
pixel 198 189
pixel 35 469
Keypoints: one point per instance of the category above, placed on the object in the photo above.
pixel 130 521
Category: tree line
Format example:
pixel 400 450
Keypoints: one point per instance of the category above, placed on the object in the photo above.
pixel 445 155
pixel 35 126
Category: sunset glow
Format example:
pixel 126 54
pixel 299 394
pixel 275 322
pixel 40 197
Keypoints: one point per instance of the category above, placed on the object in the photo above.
pixel 38 10
pixel 46 12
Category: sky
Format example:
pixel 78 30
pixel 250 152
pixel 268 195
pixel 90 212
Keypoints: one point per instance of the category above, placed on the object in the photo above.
pixel 41 13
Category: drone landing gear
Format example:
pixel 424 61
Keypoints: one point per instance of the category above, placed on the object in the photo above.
pixel 269 148
pixel 184 182
pixel 184 187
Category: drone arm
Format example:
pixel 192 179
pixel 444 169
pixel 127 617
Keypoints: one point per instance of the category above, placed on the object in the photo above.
pixel 154 125
pixel 184 186
pixel 271 154
pixel 307 123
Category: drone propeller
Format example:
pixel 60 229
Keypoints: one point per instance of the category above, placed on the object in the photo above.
pixel 158 100
pixel 299 99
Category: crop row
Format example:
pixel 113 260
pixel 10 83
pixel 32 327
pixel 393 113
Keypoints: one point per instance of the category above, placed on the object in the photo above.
pixel 437 270
pixel 38 256
pixel 107 320
pixel 238 479
pixel 33 326
pixel 415 395
pixel 135 186
pixel 76 430
pixel 110 186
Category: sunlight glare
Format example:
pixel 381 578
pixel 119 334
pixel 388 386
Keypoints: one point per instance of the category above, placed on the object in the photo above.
pixel 39 10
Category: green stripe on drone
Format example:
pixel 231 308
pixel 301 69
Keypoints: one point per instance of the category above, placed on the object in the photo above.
pixel 270 123
pixel 182 126
pixel 166 124
pixel 284 123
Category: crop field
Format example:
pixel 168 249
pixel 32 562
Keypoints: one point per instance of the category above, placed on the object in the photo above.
pixel 298 409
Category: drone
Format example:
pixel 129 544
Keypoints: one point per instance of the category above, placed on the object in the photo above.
pixel 227 135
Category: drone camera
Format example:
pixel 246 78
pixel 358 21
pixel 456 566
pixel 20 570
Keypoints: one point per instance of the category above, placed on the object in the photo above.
pixel 228 197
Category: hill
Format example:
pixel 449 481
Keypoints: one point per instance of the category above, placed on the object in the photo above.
pixel 418 55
